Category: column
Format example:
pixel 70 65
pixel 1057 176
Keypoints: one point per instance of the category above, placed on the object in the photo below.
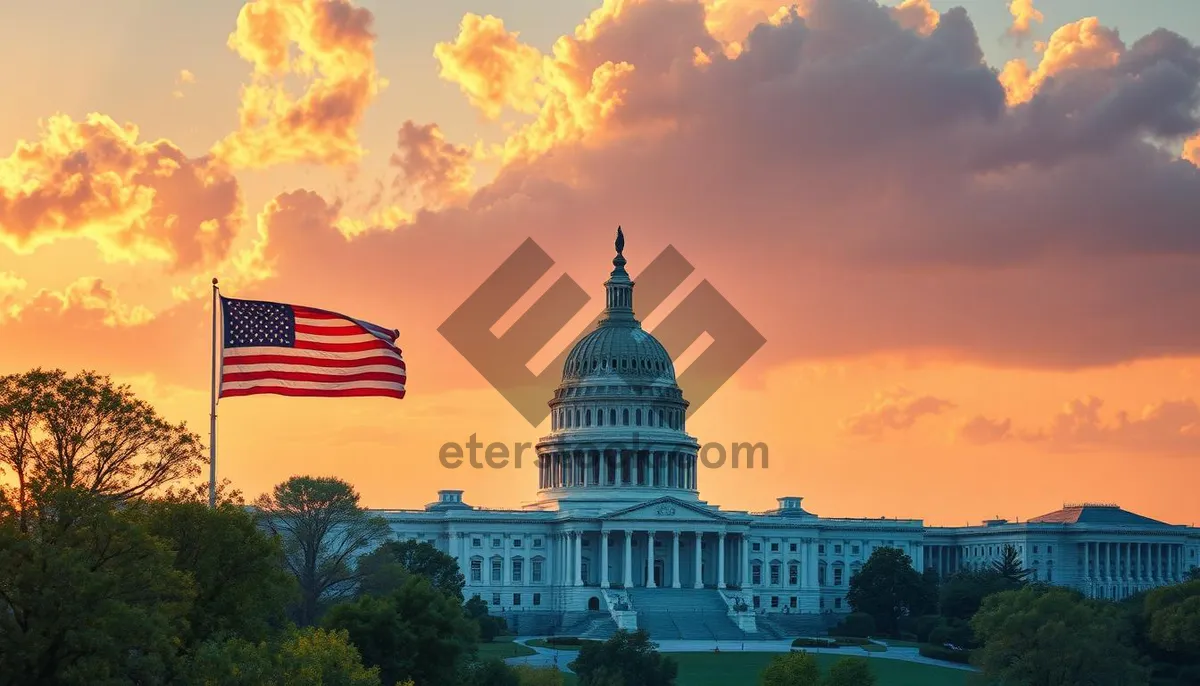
pixel 803 548
pixel 699 583
pixel 603 457
pixel 1087 567
pixel 650 559
pixel 603 559
pixel 627 560
pixel 675 560
pixel 1137 564
pixel 721 560
pixel 506 565
pixel 577 572
pixel 744 556
pixel 619 467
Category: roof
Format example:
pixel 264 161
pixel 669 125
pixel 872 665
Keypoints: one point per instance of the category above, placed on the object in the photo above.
pixel 1103 515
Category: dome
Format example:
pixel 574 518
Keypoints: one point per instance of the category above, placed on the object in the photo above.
pixel 624 352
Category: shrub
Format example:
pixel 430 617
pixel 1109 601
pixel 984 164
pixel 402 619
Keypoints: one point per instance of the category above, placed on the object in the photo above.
pixel 791 669
pixel 858 624
pixel 937 652
pixel 538 676
pixel 853 641
pixel 814 643
pixel 850 671
pixel 924 625
pixel 953 631
pixel 563 641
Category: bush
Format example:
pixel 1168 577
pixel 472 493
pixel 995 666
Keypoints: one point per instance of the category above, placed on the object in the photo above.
pixel 850 671
pixel 538 676
pixel 953 631
pixel 791 669
pixel 923 625
pixel 564 641
pixel 858 624
pixel 853 641
pixel 937 652
pixel 813 643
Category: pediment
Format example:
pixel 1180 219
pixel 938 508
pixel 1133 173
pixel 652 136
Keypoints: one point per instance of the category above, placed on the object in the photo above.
pixel 666 510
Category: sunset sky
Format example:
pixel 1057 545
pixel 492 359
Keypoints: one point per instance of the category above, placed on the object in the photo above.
pixel 969 233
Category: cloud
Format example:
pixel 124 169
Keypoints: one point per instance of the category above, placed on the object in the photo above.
pixel 1024 16
pixel 916 15
pixel 437 172
pixel 895 410
pixel 184 77
pixel 86 294
pixel 1170 426
pixel 136 200
pixel 492 66
pixel 1191 150
pixel 335 61
pixel 1083 45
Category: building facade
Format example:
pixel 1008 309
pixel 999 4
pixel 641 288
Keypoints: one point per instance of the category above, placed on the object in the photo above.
pixel 618 526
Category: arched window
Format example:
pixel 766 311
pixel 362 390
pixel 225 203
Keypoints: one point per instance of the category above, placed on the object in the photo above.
pixel 612 417
pixel 588 418
pixel 577 418
pixel 660 417
pixel 600 417
pixel 638 417
pixel 625 416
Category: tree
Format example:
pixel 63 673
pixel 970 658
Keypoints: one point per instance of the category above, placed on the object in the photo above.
pixel 84 432
pixel 87 595
pixel 490 672
pixel 850 671
pixel 628 659
pixel 1053 637
pixel 887 588
pixel 528 675
pixel 962 594
pixel 1172 620
pixel 305 657
pixel 322 528
pixel 384 568
pixel 241 585
pixel 1009 566
pixel 416 632
pixel 791 669
pixel 489 627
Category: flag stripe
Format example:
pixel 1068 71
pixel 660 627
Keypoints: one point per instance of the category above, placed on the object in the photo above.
pixel 279 349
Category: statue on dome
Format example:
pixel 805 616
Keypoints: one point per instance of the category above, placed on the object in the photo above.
pixel 620 241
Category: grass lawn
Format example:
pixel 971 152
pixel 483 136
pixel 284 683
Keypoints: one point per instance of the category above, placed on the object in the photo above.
pixel 503 647
pixel 541 643
pixel 725 669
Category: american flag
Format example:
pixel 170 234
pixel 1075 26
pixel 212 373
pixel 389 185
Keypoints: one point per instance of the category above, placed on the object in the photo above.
pixel 302 351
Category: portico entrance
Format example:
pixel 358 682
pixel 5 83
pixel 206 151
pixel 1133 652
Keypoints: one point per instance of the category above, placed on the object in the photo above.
pixel 658 573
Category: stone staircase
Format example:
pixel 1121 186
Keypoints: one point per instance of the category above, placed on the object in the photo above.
pixel 684 613
pixel 596 625
pixel 775 625
pixel 533 623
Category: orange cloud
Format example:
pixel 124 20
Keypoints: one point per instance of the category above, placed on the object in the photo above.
pixel 916 15
pixel 87 294
pixel 492 67
pixel 438 172
pixel 893 410
pixel 1084 44
pixel 136 200
pixel 980 430
pixel 1024 15
pixel 1171 426
pixel 335 59
pixel 184 77
pixel 1191 150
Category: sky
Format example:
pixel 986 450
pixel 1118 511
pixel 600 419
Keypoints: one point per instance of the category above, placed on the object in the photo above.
pixel 967 231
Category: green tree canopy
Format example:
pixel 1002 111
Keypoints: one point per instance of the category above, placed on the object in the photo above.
pixel 87 595
pixel 962 594
pixel 241 585
pixel 1053 637
pixel 850 671
pixel 1172 620
pixel 304 657
pixel 417 632
pixel 84 432
pixel 796 668
pixel 626 659
pixel 1009 568
pixel 323 529
pixel 888 588
pixel 384 569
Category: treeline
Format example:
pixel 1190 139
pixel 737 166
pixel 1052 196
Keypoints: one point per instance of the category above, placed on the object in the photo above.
pixel 113 569
pixel 1022 632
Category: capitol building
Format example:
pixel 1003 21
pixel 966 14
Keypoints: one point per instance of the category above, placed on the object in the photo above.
pixel 618 536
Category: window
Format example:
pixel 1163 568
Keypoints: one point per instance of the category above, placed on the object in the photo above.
pixel 477 571
pixel 837 603
pixel 495 543
pixel 476 542
pixel 775 574
pixel 612 416
pixel 1035 550
pixel 625 417
pixel 536 571
pixel 837 576
pixel 517 543
pixel 854 549
pixel 793 575
pixel 588 418
pixel 517 568
pixel 537 598
pixel 837 549
pixel 497 572
pixel 1049 550
pixel 756 546
pixel 516 599
pixel 537 543
pixel 792 548
pixel 821 549
pixel 495 599
pixel 757 601
pixel 774 547
pixel 638 417
pixel 756 575
pixel 793 601
pixel 774 601
pixel 821 574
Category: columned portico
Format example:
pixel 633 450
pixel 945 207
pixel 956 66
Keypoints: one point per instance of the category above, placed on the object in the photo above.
pixel 675 560
pixel 698 566
pixel 720 559
pixel 604 559
pixel 650 559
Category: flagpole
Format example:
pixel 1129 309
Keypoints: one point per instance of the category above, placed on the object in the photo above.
pixel 212 417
